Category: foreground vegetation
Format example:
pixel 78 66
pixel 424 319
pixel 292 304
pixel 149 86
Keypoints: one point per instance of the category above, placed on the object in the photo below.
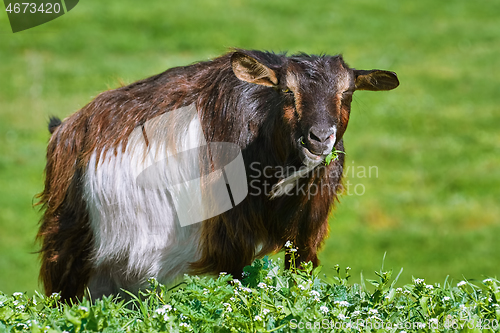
pixel 269 299
pixel 432 205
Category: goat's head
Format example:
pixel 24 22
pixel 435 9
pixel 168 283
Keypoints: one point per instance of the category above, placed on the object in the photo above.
pixel 315 92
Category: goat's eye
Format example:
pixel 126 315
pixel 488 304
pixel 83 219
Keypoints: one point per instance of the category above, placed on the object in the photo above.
pixel 286 91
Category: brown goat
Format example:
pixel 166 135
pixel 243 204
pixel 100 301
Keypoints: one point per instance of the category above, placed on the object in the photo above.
pixel 102 230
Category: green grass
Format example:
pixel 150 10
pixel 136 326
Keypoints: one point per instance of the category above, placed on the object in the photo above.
pixel 435 141
pixel 269 299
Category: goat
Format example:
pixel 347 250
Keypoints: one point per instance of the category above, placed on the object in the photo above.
pixel 102 230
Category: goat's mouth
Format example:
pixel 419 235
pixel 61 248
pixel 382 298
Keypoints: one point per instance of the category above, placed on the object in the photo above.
pixel 307 156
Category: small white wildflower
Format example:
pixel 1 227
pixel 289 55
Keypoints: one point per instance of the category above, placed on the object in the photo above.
pixel 232 299
pixel 182 316
pixel 248 290
pixel 356 313
pixel 83 308
pixel 373 311
pixel 160 311
pixel 1 304
pixel 205 291
pixel 418 281
pixel 399 290
pixel 342 317
pixel 280 307
pixel 407 292
pixel 314 293
pixel 228 307
pixel 342 303
pixel 15 303
pixel 20 307
pixel 433 321
pixel 222 273
pixel 429 286
pixel 265 311
pixel 324 309
pixel 461 283
pixel 262 285
pixel 17 294
pixel 184 325
pixel 288 244
pixel 23 325
pixel 166 317
pixel 490 299
pixel 316 299
pixel 446 298
pixel 387 297
pixel 496 305
pixel 257 318
pixel 463 307
pixel 301 287
pixel 487 281
pixel 348 268
pixel 236 281
pixel 293 250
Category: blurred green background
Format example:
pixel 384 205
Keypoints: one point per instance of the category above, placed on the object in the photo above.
pixel 435 140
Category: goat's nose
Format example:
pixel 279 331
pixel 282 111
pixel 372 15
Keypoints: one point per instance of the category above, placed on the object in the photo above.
pixel 321 135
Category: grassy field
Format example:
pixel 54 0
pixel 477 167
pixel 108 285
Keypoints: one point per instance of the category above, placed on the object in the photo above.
pixel 433 205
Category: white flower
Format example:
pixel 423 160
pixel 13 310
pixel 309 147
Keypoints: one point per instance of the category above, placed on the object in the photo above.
pixel 265 311
pixel 419 281
pixel 280 307
pixel 487 281
pixel 257 318
pixel 324 309
pixel 314 293
pixel 433 321
pixel 406 292
pixel 348 268
pixel 342 317
pixel 399 290
pixel 446 298
pixel 163 309
pixel 463 307
pixel 205 291
pixel 228 307
pixel 236 281
pixel 373 311
pixel 262 285
pixel 288 244
pixel 316 299
pixel 248 290
pixel 342 303
pixel 293 250
pixel 461 283
pixel 222 273
pixel 17 294
pixel 83 308
pixel 356 313
pixel 429 286
pixel 184 324
pixel 301 287
pixel 166 317
pixel 20 307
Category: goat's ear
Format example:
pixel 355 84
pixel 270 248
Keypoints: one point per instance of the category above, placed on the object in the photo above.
pixel 375 80
pixel 250 70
